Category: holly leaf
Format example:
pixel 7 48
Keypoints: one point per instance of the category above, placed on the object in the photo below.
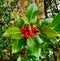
pixel 48 31
pixel 37 54
pixel 57 28
pixel 14 32
pixel 25 19
pixel 58 59
pixel 18 22
pixel 33 44
pixel 32 13
pixel 19 58
pixel 16 45
pixel 56 20
pixel 49 20
pixel 38 39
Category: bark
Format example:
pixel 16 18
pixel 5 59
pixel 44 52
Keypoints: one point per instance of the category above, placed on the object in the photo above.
pixel 45 9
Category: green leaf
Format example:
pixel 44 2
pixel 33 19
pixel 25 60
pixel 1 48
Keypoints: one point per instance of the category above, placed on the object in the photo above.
pixel 48 31
pixel 18 22
pixel 14 32
pixel 47 21
pixel 1 13
pixel 16 45
pixel 19 58
pixel 58 59
pixel 56 20
pixel 32 12
pixel 37 54
pixel 33 58
pixel 57 28
pixel 33 44
pixel 38 39
pixel 25 20
pixel 16 16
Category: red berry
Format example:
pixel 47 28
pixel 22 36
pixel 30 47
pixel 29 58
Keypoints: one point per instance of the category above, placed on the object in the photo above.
pixel 33 28
pixel 24 29
pixel 23 51
pixel 30 32
pixel 23 55
pixel 26 34
pixel 34 34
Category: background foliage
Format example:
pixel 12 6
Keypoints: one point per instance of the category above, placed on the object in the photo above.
pixel 50 47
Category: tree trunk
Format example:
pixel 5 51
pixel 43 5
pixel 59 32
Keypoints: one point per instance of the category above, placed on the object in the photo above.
pixel 45 9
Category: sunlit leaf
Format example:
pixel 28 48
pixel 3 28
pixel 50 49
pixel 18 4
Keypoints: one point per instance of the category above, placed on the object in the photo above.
pixel 16 45
pixel 57 28
pixel 33 44
pixel 25 20
pixel 32 12
pixel 18 22
pixel 19 58
pixel 56 20
pixel 48 31
pixel 38 39
pixel 14 32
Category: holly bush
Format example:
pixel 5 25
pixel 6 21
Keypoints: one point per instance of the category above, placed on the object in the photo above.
pixel 5 10
pixel 34 40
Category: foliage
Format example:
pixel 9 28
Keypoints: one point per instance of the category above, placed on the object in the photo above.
pixel 5 43
pixel 41 40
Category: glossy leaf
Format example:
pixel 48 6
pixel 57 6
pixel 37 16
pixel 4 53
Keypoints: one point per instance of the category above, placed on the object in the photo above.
pixel 58 59
pixel 49 20
pixel 57 28
pixel 14 32
pixel 56 20
pixel 19 58
pixel 48 31
pixel 30 44
pixel 18 22
pixel 37 54
pixel 32 12
pixel 16 45
pixel 25 20
pixel 33 44
pixel 38 39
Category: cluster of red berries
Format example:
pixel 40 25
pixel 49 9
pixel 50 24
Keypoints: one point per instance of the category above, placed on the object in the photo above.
pixel 23 53
pixel 29 31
